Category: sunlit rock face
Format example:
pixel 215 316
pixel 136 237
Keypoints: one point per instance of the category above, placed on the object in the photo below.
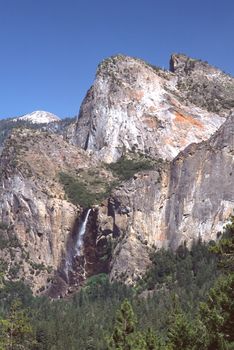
pixel 201 192
pixel 39 225
pixel 203 85
pixel 133 106
pixel 192 197
pixel 33 204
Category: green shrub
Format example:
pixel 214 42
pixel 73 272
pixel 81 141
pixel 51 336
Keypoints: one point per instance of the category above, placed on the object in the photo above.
pixel 125 168
pixel 84 194
pixel 97 280
pixel 14 270
pixel 39 267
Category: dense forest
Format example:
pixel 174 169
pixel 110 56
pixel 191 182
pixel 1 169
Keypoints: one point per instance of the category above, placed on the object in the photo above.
pixel 185 301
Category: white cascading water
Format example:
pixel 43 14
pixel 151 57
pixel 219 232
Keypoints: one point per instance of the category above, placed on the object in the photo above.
pixel 81 233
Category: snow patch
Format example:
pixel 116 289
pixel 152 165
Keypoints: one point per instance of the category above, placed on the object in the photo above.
pixel 39 117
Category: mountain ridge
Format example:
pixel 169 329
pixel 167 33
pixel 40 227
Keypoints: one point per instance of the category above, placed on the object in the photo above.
pixel 133 115
pixel 39 117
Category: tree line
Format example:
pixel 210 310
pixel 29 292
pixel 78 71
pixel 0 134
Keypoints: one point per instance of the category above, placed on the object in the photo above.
pixel 185 301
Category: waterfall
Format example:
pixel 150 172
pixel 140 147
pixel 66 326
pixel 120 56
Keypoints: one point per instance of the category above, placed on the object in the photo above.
pixel 70 267
pixel 81 233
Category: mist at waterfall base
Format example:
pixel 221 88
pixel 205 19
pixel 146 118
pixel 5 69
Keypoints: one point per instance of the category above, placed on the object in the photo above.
pixel 76 250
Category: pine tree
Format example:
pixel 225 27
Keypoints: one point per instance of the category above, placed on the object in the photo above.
pixel 125 336
pixel 16 331
pixel 225 248
pixel 151 340
pixel 180 332
pixel 217 313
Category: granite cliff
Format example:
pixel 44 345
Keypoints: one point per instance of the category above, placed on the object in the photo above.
pixel 133 106
pixel 172 132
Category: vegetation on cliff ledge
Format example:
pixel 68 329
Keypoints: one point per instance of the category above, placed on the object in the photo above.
pixel 90 187
pixel 85 191
pixel 127 166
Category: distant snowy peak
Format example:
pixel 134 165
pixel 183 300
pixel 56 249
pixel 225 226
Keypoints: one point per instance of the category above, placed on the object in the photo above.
pixel 39 117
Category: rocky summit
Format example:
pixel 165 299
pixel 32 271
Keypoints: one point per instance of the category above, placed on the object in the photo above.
pixel 133 106
pixel 149 162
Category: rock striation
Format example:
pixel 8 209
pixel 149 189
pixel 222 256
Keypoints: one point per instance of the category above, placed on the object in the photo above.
pixel 190 198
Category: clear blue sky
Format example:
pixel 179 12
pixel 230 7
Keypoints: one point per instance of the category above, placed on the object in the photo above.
pixel 49 49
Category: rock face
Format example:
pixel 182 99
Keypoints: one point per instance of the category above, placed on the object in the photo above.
pixel 134 106
pixel 200 192
pixel 190 198
pixel 33 207
pixel 202 84
pixel 39 224
pixel 181 121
